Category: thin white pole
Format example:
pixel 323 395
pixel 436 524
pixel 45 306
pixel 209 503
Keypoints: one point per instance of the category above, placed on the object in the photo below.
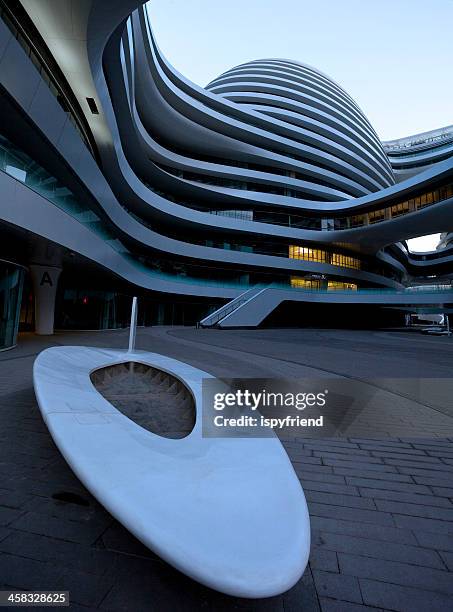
pixel 133 328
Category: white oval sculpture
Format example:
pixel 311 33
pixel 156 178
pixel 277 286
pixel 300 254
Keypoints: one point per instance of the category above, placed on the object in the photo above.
pixel 229 513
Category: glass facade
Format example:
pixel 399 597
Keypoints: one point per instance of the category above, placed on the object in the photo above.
pixel 305 283
pixel 321 256
pixel 345 261
pixel 92 309
pixel 307 254
pixel 331 285
pixel 341 286
pixel 341 223
pixel 11 285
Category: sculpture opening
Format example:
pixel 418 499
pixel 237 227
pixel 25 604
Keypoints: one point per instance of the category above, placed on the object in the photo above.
pixel 153 399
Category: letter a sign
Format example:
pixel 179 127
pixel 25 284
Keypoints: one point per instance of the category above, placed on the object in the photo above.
pixel 46 280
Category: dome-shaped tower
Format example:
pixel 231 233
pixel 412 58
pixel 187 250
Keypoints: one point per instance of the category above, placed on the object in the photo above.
pixel 332 131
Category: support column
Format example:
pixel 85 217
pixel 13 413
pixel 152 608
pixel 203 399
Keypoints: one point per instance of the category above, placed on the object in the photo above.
pixel 45 281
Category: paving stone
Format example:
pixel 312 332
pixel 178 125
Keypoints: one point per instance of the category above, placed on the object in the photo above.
pixel 381 442
pixel 433 464
pixel 392 447
pixel 86 589
pixel 448 559
pixel 364 458
pixel 351 514
pixel 4 533
pixel 380 479
pixel 365 530
pixel 74 607
pixel 322 477
pixel 378 549
pixel 298 459
pixel 8 515
pixel 433 480
pixel 162 590
pixel 301 468
pixel 443 491
pixel 409 498
pixel 28 574
pixel 302 596
pixel 116 538
pixel 404 454
pixel 435 541
pixel 337 586
pixel 402 598
pixel 93 514
pixel 321 559
pixel 424 524
pixel 357 466
pixel 71 531
pixel 334 605
pixel 15 499
pixel 45 488
pixel 298 453
pixel 444 514
pixel 62 553
pixel 396 573
pixel 349 454
pixel 440 471
pixel 327 487
pixel 337 499
pixel 331 444
pixel 399 452
pixel 433 445
pixel 444 454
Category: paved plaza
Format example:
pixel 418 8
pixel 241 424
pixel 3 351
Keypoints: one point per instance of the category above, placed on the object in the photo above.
pixel 381 506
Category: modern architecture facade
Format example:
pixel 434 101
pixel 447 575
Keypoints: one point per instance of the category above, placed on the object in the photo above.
pixel 120 177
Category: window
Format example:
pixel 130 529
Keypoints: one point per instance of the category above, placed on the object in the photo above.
pixel 318 255
pixel 400 209
pixel 341 286
pixel 376 215
pixel 304 283
pixel 307 254
pixel 357 220
pixel 345 261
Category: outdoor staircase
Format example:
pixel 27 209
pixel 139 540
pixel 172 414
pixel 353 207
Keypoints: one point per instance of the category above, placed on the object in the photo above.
pixel 215 318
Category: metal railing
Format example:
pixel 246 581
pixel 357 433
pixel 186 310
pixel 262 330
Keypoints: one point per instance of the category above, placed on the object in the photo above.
pixel 222 312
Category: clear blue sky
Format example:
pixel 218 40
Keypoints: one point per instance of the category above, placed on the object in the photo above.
pixel 394 57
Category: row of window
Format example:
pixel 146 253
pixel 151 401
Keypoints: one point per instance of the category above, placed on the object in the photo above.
pixel 375 216
pixel 308 283
pixel 402 208
pixel 318 255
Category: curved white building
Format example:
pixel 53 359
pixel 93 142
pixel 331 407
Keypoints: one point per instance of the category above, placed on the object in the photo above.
pixel 120 177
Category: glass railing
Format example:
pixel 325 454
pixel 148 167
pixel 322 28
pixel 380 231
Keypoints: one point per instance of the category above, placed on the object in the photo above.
pixel 407 291
pixel 296 221
pixel 281 250
pixel 343 223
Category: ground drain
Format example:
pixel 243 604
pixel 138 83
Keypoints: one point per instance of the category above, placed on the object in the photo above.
pixel 70 498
